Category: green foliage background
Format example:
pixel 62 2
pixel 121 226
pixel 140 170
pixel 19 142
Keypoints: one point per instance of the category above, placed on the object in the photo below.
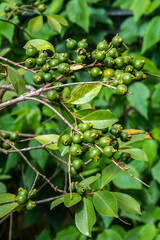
pixel 138 22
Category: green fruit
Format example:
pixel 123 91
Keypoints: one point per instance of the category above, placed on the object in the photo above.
pixel 78 165
pixel 38 78
pixel 115 131
pixel 117 155
pixel 105 79
pixel 122 48
pixel 127 78
pixel 31 51
pixel 109 135
pixel 89 136
pixel 62 57
pixel 113 53
pixel 63 68
pixel 115 144
pixel 84 148
pixel 66 140
pixel 102 46
pixel 108 62
pixel 13 136
pixel 121 90
pixel 104 141
pixel 21 199
pixel 30 205
pixel 108 151
pixel 81 51
pixel 117 82
pixel 72 187
pixel 125 156
pixel 129 69
pixel 48 77
pixel 46 67
pixel 33 193
pixel 4 134
pixel 80 58
pixel 95 154
pixel 95 72
pixel 30 63
pixel 7 9
pixel 94 54
pixel 37 67
pixel 23 192
pixel 129 59
pixel 97 132
pixel 41 61
pixel 43 54
pixel 125 137
pixel 117 41
pixel 53 62
pixel 75 150
pixel 139 75
pixel 109 72
pixel 74 172
pixel 71 44
pixel 52 95
pixel 100 55
pixel 77 138
pixel 5 145
pixel 117 125
pixel 36 3
pixel 84 126
pixel 80 190
pixel 120 62
pixel 139 64
pixel 41 8
pixel 83 44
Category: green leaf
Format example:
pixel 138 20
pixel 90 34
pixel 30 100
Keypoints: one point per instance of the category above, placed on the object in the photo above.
pixel 153 5
pixel 65 113
pixel 69 233
pixel 139 100
pixel 127 203
pixel 125 181
pixel 85 93
pixel 35 24
pixel 54 24
pixel 7 197
pixel 109 234
pixel 55 6
pixel 149 65
pixel 139 8
pixel 77 12
pixel 56 202
pixel 86 182
pixel 40 44
pixel 100 119
pixel 137 154
pixel 109 173
pixel 75 199
pixel 83 113
pixel 135 138
pixel 148 232
pixel 60 19
pixel 7 208
pixel 43 235
pixel 151 35
pixel 63 149
pixel 3 188
pixel 43 139
pixel 105 203
pixel 123 4
pixel 16 80
pixel 150 147
pixel 155 172
pixel 85 217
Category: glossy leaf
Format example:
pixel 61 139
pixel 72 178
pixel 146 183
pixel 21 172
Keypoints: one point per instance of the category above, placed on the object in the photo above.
pixel 40 44
pixel 150 147
pixel 56 202
pixel 127 203
pixel 139 8
pixel 7 208
pixel 109 234
pixel 76 67
pixel 151 35
pixel 100 119
pixel 85 217
pixel 60 19
pixel 7 197
pixel 54 24
pixel 109 173
pixel 86 182
pixel 65 113
pixel 148 232
pixel 105 203
pixel 43 139
pixel 68 233
pixel 85 93
pixel 35 24
pixel 77 12
pixel 156 172
pixel 137 154
pixel 16 80
pixel 68 202
pixel 63 149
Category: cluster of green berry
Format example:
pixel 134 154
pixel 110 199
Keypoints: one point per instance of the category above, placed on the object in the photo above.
pixel 39 4
pixel 120 71
pixel 10 137
pixel 23 198
pixel 98 142
pixel 8 9
pixel 77 188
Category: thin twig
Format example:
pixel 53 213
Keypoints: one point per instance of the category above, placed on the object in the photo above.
pixel 69 175
pixel 49 199
pixel 10 226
